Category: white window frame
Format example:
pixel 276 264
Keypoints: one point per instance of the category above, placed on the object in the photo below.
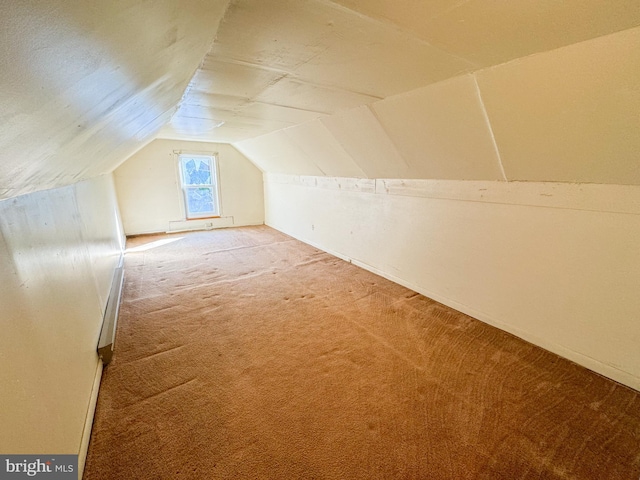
pixel 215 185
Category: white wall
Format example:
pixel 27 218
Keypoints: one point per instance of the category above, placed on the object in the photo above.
pixel 58 251
pixel 150 197
pixel 555 264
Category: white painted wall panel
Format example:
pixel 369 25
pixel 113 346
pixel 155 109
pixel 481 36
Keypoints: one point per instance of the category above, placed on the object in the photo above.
pixel 554 270
pixel 150 196
pixel 570 115
pixel 323 150
pixel 276 153
pixel 494 32
pixel 442 131
pixel 360 135
pixel 58 251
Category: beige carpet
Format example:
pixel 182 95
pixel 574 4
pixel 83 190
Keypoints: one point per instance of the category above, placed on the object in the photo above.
pixel 245 354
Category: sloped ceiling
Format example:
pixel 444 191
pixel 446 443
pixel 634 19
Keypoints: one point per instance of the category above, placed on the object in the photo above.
pixel 497 90
pixel 448 89
pixel 84 84
pixel 568 115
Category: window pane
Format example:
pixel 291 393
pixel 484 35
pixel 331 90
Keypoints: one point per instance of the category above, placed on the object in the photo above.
pixel 200 201
pixel 196 171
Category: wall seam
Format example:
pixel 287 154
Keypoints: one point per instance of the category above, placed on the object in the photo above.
pixel 486 118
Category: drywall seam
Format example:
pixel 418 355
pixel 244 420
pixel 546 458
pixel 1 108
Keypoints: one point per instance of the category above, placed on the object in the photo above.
pixel 236 61
pixel 328 86
pixel 601 368
pixel 88 423
pixel 486 118
pixel 300 109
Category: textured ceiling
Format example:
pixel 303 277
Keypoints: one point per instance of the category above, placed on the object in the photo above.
pixel 567 115
pixel 277 63
pixel 381 87
pixel 84 84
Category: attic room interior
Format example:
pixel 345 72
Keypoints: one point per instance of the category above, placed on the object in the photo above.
pixel 361 238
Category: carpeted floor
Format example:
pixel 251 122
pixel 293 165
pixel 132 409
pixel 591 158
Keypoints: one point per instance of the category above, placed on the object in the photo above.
pixel 244 354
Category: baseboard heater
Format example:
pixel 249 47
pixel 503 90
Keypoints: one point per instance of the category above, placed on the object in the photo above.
pixel 108 334
pixel 176 226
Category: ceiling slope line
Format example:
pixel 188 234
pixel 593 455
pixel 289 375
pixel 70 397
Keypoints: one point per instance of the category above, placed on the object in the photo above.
pixel 332 87
pixel 389 137
pixel 246 100
pixel 236 61
pixel 344 150
pixel 359 160
pixel 407 33
pixel 201 64
pixel 281 105
pixel 289 132
pixel 310 110
pixel 238 111
pixel 290 75
pixel 341 146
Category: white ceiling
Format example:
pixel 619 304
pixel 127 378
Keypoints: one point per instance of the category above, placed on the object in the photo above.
pixel 277 63
pixel 86 84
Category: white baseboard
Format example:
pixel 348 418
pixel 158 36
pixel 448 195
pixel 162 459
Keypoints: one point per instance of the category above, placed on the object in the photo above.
pixel 88 423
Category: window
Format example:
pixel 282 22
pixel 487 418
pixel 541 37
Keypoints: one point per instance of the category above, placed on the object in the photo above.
pixel 198 175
